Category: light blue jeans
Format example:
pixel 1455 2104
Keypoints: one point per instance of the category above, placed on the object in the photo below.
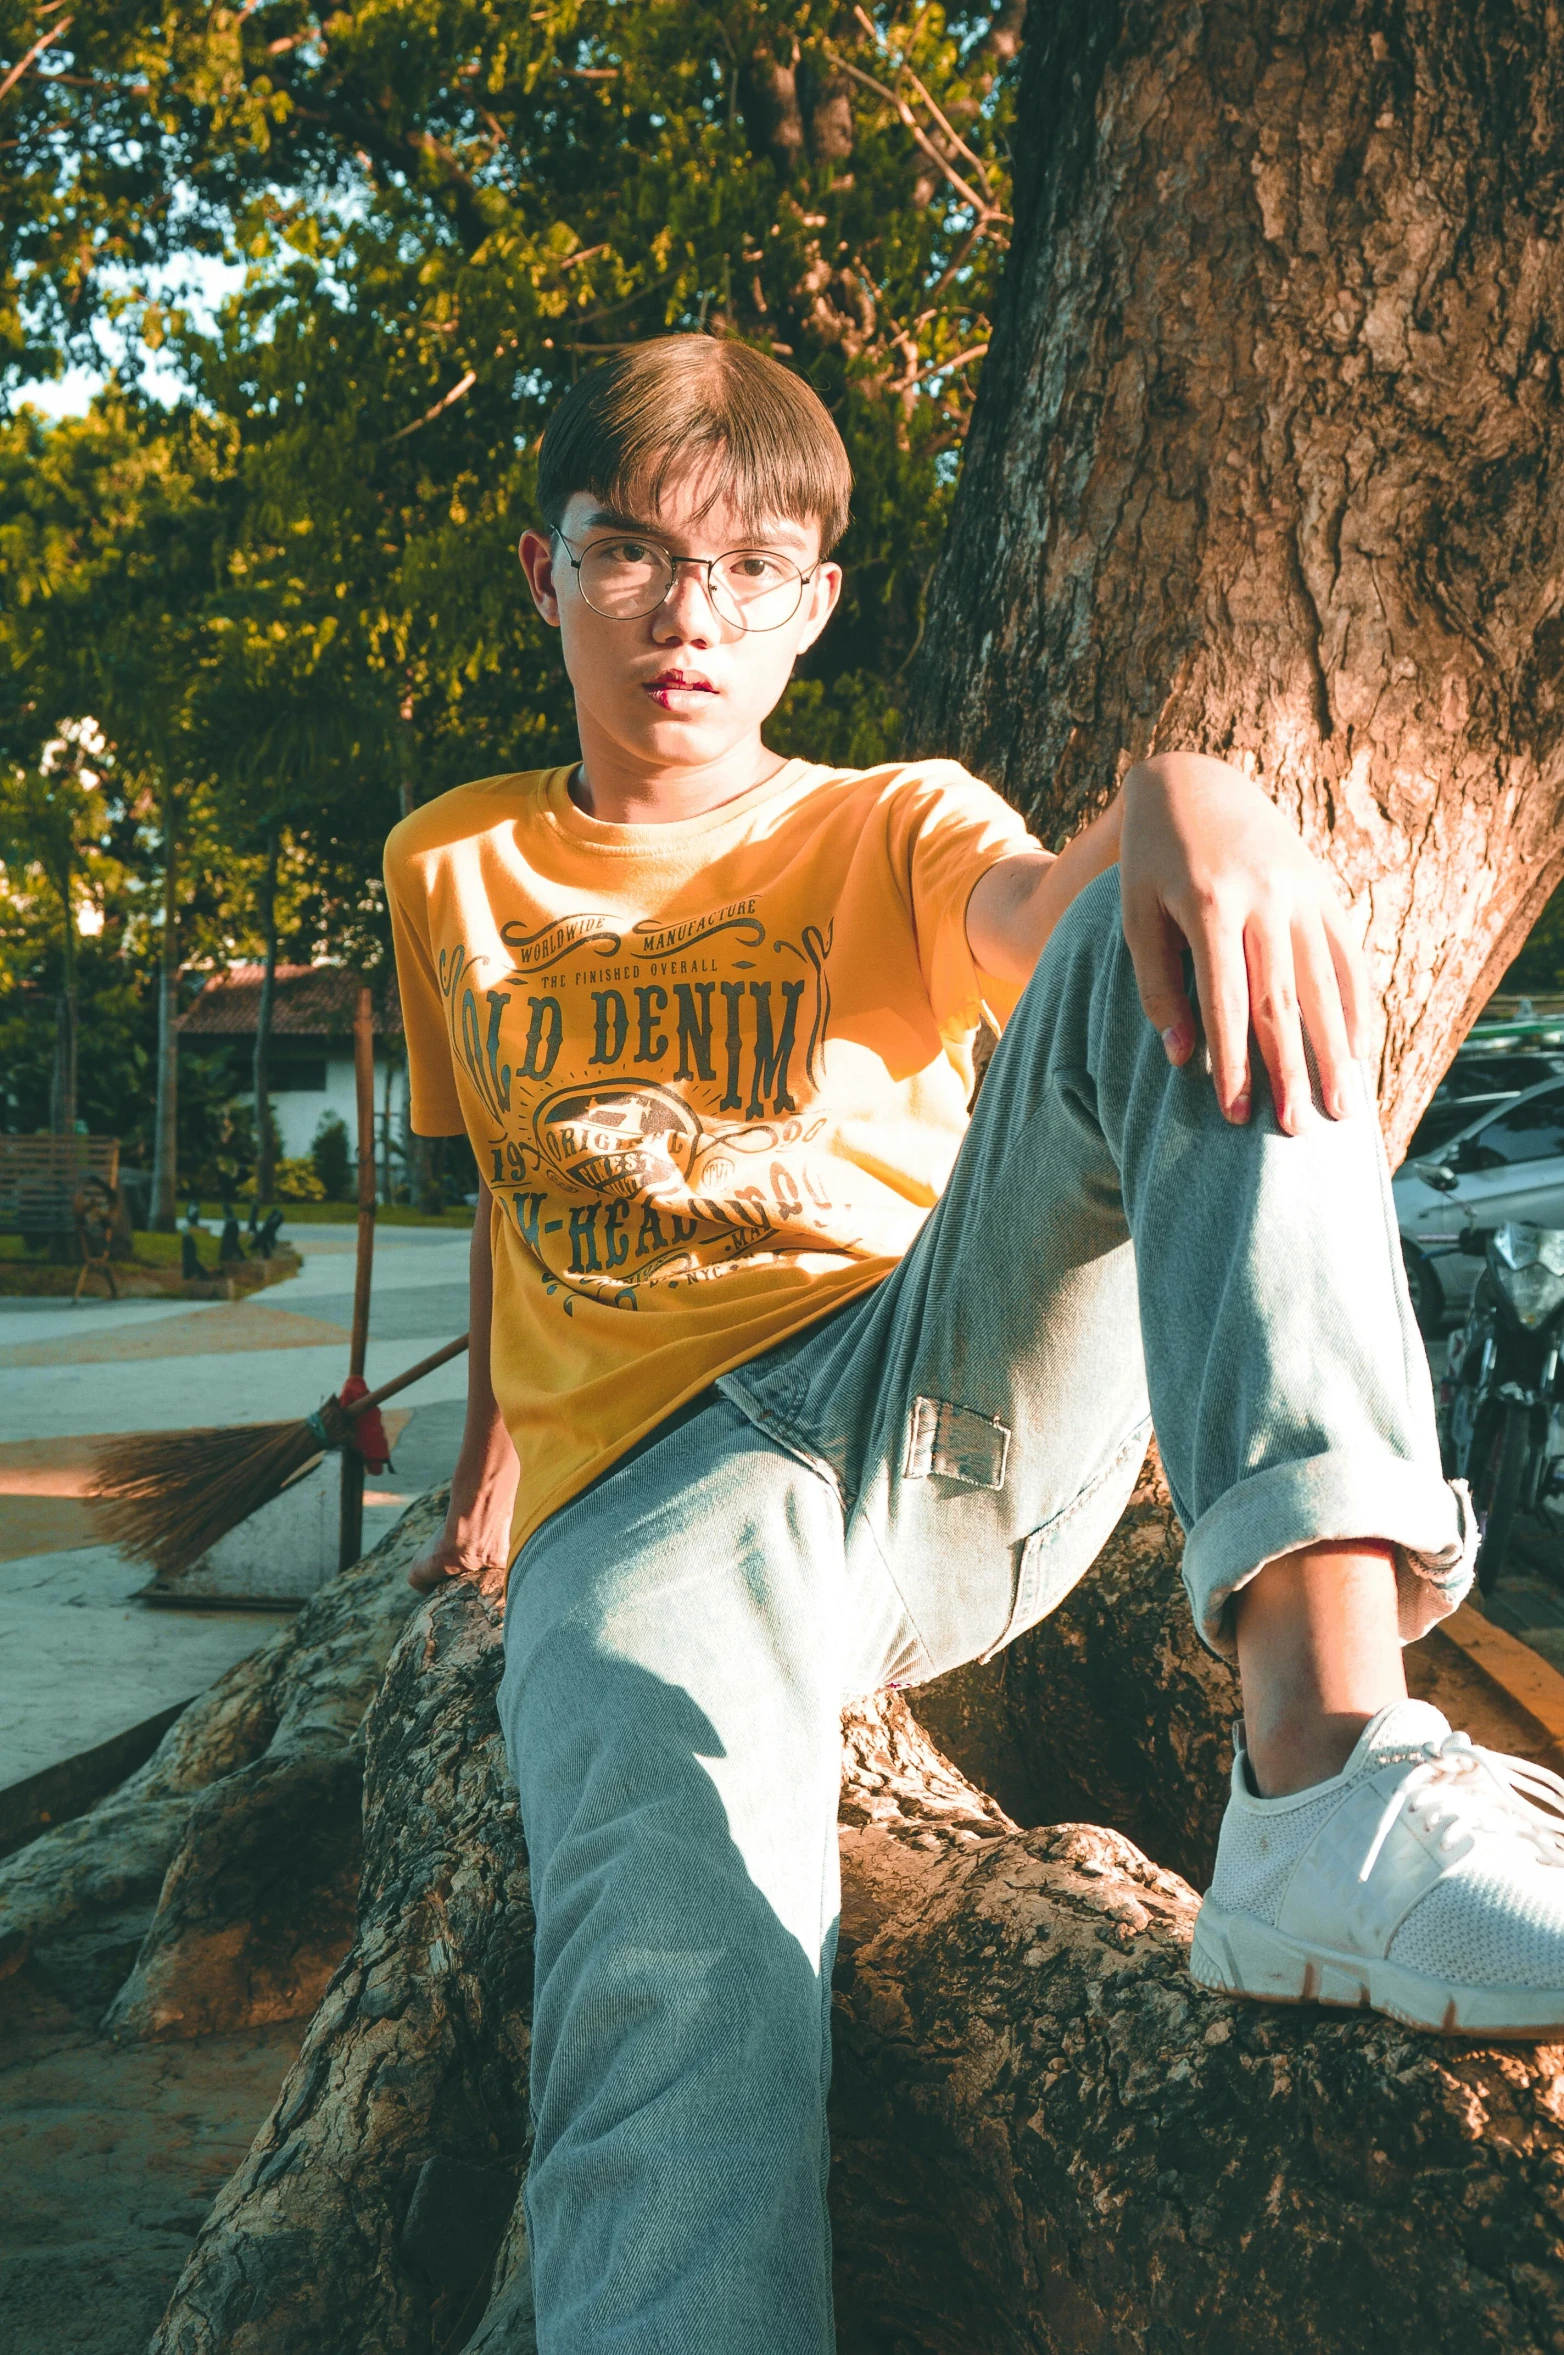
pixel 902 1488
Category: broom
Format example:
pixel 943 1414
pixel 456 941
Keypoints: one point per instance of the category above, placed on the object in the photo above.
pixel 350 1514
pixel 166 1496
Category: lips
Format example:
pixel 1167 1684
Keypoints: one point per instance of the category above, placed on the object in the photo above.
pixel 669 685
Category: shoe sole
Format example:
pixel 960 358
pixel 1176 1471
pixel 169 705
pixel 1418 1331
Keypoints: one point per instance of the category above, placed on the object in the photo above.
pixel 1237 1954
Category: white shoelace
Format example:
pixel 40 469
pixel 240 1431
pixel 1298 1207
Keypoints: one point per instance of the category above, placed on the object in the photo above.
pixel 1483 1790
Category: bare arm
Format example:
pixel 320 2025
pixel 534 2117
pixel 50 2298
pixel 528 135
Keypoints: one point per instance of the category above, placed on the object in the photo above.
pixel 1015 906
pixel 475 1542
pixel 1206 862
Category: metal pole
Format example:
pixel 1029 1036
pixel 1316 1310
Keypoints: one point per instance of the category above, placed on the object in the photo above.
pixel 351 1543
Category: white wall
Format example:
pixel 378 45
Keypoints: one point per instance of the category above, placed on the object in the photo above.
pixel 301 1110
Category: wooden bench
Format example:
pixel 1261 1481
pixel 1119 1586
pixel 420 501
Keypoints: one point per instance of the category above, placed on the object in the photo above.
pixel 40 1177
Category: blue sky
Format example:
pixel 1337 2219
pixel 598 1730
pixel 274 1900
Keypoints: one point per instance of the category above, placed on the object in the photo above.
pixel 196 283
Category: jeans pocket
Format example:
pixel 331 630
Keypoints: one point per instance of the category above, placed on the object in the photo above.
pixel 1057 1556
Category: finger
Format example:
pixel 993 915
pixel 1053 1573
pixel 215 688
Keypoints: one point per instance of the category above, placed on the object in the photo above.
pixel 426 1574
pixel 1352 977
pixel 1273 1009
pixel 1222 985
pixel 1324 1016
pixel 1156 948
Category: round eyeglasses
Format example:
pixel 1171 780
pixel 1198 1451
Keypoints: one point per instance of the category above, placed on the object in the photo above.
pixel 625 577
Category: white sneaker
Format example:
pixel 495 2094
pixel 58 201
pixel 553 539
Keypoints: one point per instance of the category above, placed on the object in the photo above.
pixel 1424 1880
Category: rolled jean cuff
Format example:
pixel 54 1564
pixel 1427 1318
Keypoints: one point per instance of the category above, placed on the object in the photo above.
pixel 1334 1499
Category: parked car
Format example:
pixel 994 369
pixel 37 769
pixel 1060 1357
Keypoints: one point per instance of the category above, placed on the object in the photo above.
pixel 1507 1166
pixel 1477 1082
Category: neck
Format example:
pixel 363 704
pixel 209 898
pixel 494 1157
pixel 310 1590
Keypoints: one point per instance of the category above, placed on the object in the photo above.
pixel 623 789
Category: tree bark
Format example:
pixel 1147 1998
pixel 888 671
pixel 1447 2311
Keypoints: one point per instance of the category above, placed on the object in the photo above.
pixel 1020 2054
pixel 407 2105
pixel 165 1132
pixel 1046 2138
pixel 187 1876
pixel 1263 463
pixel 63 1110
pixel 265 1174
pixel 1266 452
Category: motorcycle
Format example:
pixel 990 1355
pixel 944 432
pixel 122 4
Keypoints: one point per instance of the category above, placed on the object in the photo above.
pixel 1501 1401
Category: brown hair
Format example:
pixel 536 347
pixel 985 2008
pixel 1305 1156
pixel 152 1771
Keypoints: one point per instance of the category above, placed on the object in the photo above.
pixel 755 433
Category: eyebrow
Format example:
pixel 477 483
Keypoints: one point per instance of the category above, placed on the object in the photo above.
pixel 612 519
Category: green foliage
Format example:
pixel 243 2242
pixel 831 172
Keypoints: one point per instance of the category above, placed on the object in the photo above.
pixel 292 604
pixel 217 1126
pixel 1539 969
pixel 296 1180
pixel 331 1158
pixel 853 723
pixel 115 1037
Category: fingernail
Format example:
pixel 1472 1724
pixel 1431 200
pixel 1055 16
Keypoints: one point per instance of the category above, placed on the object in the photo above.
pixel 1240 1109
pixel 1177 1041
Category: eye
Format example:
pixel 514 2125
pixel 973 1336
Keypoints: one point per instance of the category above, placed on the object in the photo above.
pixel 754 565
pixel 626 551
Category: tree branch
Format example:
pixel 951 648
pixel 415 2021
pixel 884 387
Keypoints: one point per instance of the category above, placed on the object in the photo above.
pixel 967 193
pixel 944 367
pixel 456 393
pixel 949 129
pixel 33 54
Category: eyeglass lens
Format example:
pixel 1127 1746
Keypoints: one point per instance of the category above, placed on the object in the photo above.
pixel 750 587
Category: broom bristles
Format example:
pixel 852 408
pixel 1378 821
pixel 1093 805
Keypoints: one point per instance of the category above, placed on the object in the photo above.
pixel 165 1497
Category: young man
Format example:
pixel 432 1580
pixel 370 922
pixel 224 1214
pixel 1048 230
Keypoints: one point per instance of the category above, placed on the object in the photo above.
pixel 787 1383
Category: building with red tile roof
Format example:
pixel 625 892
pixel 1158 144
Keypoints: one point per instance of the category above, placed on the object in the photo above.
pixel 310 1066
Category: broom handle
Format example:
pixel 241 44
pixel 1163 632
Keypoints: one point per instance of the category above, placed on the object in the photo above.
pixel 350 1522
pixel 427 1365
pixel 364 1082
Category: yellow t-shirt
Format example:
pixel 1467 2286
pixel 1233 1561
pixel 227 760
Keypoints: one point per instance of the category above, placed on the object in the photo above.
pixel 716 1072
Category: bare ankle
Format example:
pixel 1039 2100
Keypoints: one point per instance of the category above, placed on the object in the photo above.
pixel 1319 1651
pixel 1293 1754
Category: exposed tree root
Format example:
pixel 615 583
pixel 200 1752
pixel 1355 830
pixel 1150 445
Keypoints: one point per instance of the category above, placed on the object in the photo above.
pixel 1046 2137
pixel 82 1902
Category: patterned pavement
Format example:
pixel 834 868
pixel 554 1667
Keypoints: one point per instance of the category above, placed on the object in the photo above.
pixel 84 1660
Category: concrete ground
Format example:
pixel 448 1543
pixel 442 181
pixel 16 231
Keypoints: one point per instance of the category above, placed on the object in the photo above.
pixel 85 1661
pixel 110 2155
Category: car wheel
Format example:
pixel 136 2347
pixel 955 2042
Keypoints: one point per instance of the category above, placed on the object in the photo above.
pixel 1428 1299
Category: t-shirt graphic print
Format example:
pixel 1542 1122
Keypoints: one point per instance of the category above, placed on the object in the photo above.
pixel 714 1072
pixel 676 1138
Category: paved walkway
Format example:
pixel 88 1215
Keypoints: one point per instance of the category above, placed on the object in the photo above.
pixel 83 1660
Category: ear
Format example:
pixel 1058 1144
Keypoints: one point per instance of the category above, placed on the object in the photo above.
pixel 537 562
pixel 825 588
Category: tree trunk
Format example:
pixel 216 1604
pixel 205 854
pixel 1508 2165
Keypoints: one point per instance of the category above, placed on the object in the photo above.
pixel 265 1174
pixel 406 775
pixel 1046 2138
pixel 165 1131
pixel 1266 453
pixel 387 1083
pixel 1020 2053
pixel 1262 463
pixel 63 1108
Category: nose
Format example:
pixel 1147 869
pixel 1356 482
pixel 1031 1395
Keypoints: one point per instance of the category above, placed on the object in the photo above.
pixel 687 613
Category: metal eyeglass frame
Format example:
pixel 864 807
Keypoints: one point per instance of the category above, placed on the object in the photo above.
pixel 708 565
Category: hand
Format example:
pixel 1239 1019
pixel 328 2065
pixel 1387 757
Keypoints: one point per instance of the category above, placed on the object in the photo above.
pixel 1205 859
pixel 474 1544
